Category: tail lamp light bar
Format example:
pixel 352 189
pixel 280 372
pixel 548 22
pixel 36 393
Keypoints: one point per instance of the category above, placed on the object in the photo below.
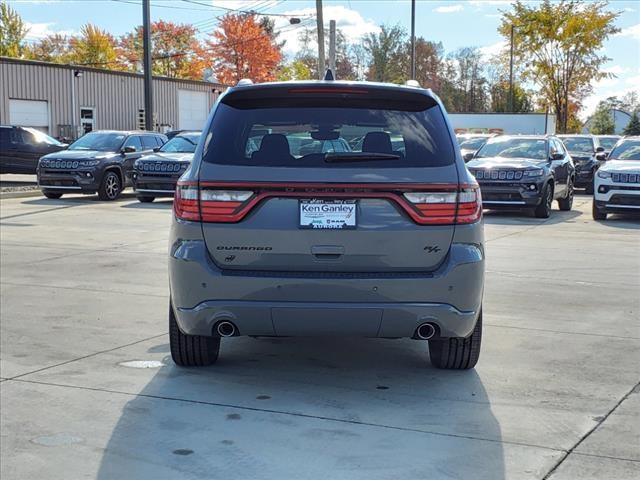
pixel 425 204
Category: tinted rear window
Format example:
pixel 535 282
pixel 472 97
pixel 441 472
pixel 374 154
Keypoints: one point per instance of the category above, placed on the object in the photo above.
pixel 315 133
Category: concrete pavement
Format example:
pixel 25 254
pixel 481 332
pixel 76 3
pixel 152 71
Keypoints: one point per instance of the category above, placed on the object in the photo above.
pixel 89 389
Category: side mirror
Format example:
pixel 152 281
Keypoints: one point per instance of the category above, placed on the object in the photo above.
pixel 557 156
pixel 599 149
pixel 157 149
pixel 468 156
pixel 129 149
pixel 601 156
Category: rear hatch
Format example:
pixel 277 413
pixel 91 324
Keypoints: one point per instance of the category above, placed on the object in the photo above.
pixel 329 178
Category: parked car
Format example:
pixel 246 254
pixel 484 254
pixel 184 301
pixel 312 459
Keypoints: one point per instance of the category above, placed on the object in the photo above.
pixel 470 143
pixel 524 172
pixel 607 142
pixel 156 174
pixel 365 242
pixel 22 147
pixel 587 155
pixel 100 161
pixel 617 186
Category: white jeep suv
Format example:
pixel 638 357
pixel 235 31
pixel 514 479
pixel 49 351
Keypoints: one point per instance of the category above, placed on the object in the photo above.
pixel 617 182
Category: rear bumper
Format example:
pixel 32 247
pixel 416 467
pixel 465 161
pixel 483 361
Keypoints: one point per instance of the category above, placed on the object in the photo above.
pixel 308 304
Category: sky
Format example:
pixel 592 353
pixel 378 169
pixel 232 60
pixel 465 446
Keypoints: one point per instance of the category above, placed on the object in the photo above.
pixel 454 23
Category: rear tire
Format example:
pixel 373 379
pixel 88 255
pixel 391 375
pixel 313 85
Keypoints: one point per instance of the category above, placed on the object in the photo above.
pixel 457 353
pixel 146 199
pixel 544 209
pixel 566 203
pixel 597 213
pixel 191 350
pixel 110 187
pixel 51 195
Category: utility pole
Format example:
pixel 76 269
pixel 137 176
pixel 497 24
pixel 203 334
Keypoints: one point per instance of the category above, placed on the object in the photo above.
pixel 413 39
pixel 148 83
pixel 511 74
pixel 320 24
pixel 332 47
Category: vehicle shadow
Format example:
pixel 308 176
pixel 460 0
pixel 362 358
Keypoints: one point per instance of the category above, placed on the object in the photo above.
pixel 308 408
pixel 158 204
pixel 616 220
pixel 519 217
pixel 75 199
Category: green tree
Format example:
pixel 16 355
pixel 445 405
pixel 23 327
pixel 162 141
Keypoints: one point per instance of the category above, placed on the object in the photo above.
pixel 602 120
pixel 94 47
pixel 296 70
pixel 386 56
pixel 633 127
pixel 12 32
pixel 560 43
pixel 52 48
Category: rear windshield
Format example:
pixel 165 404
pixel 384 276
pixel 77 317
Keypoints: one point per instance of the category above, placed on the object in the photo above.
pixel 317 136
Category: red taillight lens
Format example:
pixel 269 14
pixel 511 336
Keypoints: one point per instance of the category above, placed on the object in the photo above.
pixel 447 207
pixel 186 203
pixel 209 205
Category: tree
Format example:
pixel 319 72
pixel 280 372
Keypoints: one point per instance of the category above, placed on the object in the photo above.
pixel 347 66
pixel 242 48
pixel 429 62
pixel 602 121
pixel 12 32
pixel 633 127
pixel 94 47
pixel 385 53
pixel 175 51
pixel 52 48
pixel 559 43
pixel 296 70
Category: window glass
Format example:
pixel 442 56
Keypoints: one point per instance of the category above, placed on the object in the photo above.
pixel 5 136
pixel 627 150
pixel 608 142
pixel 39 137
pixel 578 144
pixel 101 141
pixel 182 143
pixel 133 141
pixel 514 147
pixel 149 142
pixel 313 136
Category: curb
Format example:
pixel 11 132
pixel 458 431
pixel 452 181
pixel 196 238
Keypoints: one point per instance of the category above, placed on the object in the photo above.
pixel 21 194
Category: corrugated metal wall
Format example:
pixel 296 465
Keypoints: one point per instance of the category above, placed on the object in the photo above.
pixel 116 97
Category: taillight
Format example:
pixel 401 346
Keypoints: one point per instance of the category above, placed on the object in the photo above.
pixel 447 207
pixel 209 205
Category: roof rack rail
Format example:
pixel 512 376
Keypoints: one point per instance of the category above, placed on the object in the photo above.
pixel 329 75
pixel 244 81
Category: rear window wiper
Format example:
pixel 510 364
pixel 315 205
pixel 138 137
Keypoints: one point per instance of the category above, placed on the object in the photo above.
pixel 335 157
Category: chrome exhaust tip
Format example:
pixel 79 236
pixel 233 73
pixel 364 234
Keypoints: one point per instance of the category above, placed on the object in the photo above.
pixel 226 329
pixel 425 331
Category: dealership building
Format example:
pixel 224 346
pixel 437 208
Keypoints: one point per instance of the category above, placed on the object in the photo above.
pixel 67 101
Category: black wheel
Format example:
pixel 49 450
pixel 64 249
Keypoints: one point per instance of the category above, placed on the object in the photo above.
pixel 191 350
pixel 597 213
pixel 544 209
pixel 52 195
pixel 146 199
pixel 566 203
pixel 457 353
pixel 110 187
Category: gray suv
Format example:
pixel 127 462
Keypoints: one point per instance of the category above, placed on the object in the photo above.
pixel 272 238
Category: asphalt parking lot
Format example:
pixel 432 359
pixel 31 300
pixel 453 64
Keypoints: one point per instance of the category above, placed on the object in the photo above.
pixel 88 388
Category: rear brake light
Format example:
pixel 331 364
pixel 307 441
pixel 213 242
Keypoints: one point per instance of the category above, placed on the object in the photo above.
pixel 209 205
pixel 185 203
pixel 442 208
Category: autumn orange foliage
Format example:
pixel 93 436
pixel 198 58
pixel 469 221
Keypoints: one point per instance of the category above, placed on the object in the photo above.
pixel 241 48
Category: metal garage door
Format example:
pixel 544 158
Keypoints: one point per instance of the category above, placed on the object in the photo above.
pixel 193 109
pixel 29 113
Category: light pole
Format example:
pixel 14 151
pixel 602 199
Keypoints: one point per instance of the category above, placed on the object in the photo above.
pixel 148 79
pixel 511 73
pixel 74 114
pixel 320 24
pixel 413 39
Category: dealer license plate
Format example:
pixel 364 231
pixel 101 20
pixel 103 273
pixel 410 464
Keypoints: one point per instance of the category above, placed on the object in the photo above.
pixel 328 214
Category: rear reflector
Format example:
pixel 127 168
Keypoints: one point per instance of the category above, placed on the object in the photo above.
pixel 425 204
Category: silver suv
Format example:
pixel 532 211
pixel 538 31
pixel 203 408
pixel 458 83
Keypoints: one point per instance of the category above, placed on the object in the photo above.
pixel 327 209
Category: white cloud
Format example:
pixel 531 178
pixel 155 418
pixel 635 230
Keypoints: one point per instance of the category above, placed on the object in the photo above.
pixel 611 87
pixel 350 22
pixel 38 31
pixel 488 3
pixel 489 51
pixel 633 31
pixel 616 70
pixel 449 8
